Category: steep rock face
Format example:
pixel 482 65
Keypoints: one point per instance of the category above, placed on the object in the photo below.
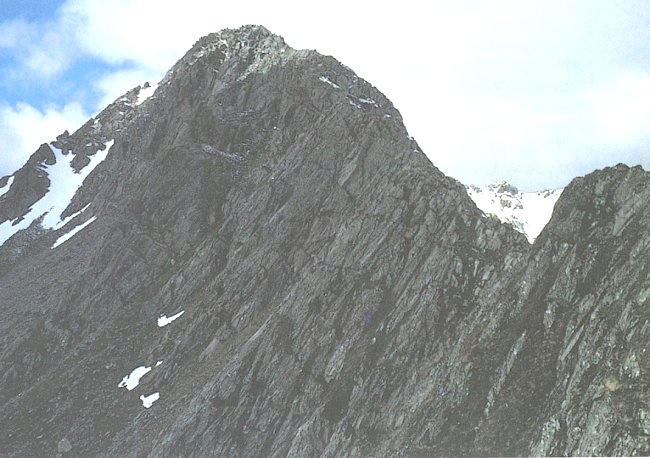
pixel 574 347
pixel 596 316
pixel 341 296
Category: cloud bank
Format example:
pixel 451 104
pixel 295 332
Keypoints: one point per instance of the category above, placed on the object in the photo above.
pixel 534 93
pixel 24 128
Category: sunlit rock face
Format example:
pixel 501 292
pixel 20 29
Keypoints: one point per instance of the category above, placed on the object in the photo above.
pixel 272 267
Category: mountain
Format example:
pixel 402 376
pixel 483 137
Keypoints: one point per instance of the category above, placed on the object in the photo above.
pixel 527 212
pixel 257 260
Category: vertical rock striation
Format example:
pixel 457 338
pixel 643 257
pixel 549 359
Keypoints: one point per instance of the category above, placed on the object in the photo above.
pixel 339 295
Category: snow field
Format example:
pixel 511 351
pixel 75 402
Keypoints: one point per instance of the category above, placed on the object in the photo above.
pixel 64 183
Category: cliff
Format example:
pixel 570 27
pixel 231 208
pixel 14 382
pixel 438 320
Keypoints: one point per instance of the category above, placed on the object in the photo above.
pixel 339 295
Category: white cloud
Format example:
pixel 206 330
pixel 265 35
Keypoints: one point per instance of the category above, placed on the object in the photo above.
pixel 24 128
pixel 42 50
pixel 144 32
pixel 115 84
pixel 622 111
pixel 530 92
pixel 12 32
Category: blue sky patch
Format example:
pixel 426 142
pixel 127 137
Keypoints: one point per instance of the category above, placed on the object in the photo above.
pixel 534 93
pixel 28 10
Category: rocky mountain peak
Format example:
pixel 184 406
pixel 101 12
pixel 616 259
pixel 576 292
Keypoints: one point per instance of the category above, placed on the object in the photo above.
pixel 253 258
pixel 242 41
pixel 250 48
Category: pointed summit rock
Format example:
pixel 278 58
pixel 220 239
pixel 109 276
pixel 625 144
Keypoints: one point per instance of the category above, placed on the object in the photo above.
pixel 324 289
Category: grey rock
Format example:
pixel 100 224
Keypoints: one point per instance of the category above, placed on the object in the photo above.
pixel 64 446
pixel 341 296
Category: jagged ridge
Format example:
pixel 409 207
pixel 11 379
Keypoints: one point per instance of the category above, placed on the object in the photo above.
pixel 340 295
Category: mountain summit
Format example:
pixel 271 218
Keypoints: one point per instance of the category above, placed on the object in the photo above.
pixel 253 258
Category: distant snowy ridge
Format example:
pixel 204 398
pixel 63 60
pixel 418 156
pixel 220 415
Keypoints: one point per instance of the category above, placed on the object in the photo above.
pixel 527 212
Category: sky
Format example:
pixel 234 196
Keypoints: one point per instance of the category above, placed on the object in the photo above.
pixel 531 92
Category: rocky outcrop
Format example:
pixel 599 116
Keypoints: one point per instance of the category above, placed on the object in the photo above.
pixel 340 295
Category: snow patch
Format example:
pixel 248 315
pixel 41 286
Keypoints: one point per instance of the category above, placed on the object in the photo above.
pixel 163 320
pixel 133 379
pixel 64 183
pixel 158 363
pixel 147 401
pixel 326 80
pixel 5 189
pixel 527 212
pixel 74 215
pixel 145 93
pixel 369 101
pixel 356 105
pixel 65 237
